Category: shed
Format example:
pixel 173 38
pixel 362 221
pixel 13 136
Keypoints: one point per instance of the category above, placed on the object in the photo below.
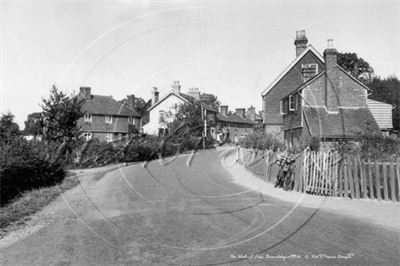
pixel 382 112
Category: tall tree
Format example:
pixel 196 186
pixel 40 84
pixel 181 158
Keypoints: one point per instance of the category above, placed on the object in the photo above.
pixel 60 118
pixel 8 128
pixel 60 115
pixel 34 124
pixel 357 66
pixel 210 100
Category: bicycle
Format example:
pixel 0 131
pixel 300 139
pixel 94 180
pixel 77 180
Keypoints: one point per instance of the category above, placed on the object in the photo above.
pixel 285 176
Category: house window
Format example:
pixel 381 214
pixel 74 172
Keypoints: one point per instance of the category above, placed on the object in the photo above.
pixel 88 118
pixel 292 104
pixel 132 120
pixel 161 118
pixel 108 119
pixel 282 107
pixel 88 136
pixel 109 137
pixel 309 70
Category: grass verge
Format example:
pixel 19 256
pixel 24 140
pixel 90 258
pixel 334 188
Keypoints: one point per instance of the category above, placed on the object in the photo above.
pixel 32 201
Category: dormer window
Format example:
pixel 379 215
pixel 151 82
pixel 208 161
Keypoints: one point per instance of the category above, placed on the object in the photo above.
pixel 87 118
pixel 309 70
pixel 108 119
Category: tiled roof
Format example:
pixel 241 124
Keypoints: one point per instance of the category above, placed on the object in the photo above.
pixel 347 123
pixel 234 119
pixel 183 96
pixel 106 105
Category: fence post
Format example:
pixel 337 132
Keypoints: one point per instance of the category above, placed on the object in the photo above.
pixel 392 182
pixel 385 186
pixel 267 167
pixel 398 175
pixel 370 177
pixel 346 179
pixel 356 179
pixel 351 179
pixel 363 178
pixel 378 182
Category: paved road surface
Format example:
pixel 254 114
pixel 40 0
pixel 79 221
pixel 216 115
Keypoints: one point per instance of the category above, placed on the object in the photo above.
pixel 180 215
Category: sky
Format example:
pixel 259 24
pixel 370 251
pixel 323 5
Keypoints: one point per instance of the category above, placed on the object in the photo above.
pixel 233 49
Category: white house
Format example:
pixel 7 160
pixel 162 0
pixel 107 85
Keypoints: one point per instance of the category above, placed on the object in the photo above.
pixel 162 111
pixel 382 112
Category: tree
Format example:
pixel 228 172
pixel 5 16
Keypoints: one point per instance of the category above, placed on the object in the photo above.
pixel 356 66
pixel 60 118
pixel 34 124
pixel 8 128
pixel 210 100
pixel 60 115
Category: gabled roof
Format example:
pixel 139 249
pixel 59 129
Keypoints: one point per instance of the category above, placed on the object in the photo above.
pixel 106 105
pixel 232 118
pixel 346 124
pixel 184 97
pixel 353 78
pixel 311 80
pixel 291 65
pixel 302 86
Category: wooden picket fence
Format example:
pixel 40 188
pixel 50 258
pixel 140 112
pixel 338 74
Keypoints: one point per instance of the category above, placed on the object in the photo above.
pixel 332 174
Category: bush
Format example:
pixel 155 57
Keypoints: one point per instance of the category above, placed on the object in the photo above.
pixel 22 169
pixel 261 141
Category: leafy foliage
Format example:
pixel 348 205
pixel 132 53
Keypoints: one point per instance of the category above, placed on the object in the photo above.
pixel 60 115
pixel 261 141
pixel 8 128
pixel 34 124
pixel 357 66
pixel 22 168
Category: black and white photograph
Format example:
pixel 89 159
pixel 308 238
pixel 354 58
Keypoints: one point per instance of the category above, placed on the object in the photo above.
pixel 199 132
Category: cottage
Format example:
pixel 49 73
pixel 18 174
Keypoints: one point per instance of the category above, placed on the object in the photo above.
pixel 234 126
pixel 307 64
pixel 162 111
pixel 107 119
pixel 331 105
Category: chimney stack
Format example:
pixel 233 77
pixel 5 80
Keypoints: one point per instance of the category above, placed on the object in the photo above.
pixel 331 77
pixel 194 92
pixel 240 112
pixel 130 100
pixel 300 42
pixel 176 87
pixel 85 92
pixel 154 94
pixel 223 109
pixel 251 113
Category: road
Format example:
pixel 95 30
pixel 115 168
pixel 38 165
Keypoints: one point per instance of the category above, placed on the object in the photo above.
pixel 187 213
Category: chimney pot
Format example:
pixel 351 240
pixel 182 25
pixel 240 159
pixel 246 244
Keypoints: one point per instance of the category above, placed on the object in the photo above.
pixel 176 87
pixel 300 42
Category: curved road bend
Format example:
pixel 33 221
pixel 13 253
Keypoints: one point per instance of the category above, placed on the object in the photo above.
pixel 177 214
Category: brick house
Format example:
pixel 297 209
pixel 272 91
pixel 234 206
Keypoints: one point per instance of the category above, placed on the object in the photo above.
pixel 331 105
pixel 308 63
pixel 234 125
pixel 107 119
